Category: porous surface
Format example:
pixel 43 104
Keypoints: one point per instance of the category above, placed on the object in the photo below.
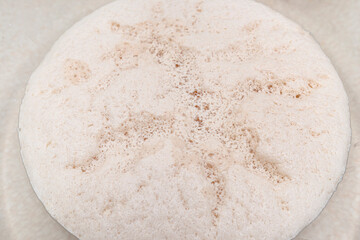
pixel 185 120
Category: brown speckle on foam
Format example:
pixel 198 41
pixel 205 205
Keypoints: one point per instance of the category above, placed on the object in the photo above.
pixel 284 49
pixel 115 26
pixel 270 83
pixel 262 166
pixel 76 71
pixel 284 205
pixel 125 56
pixel 252 26
pixel 217 181
pixel 198 6
pixel 239 136
pixel 108 207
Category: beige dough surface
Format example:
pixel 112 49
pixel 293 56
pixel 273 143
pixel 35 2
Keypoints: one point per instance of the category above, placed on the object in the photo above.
pixel 23 213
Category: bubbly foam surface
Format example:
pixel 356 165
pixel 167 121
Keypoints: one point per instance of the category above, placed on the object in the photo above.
pixel 185 120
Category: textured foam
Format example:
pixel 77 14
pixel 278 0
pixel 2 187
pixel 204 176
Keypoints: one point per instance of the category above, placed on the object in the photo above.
pixel 185 120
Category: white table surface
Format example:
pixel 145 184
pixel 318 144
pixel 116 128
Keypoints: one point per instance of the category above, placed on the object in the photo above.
pixel 28 28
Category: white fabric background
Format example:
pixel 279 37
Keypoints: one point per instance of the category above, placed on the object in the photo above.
pixel 28 28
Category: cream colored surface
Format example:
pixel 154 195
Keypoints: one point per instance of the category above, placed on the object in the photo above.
pixel 23 213
pixel 156 119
